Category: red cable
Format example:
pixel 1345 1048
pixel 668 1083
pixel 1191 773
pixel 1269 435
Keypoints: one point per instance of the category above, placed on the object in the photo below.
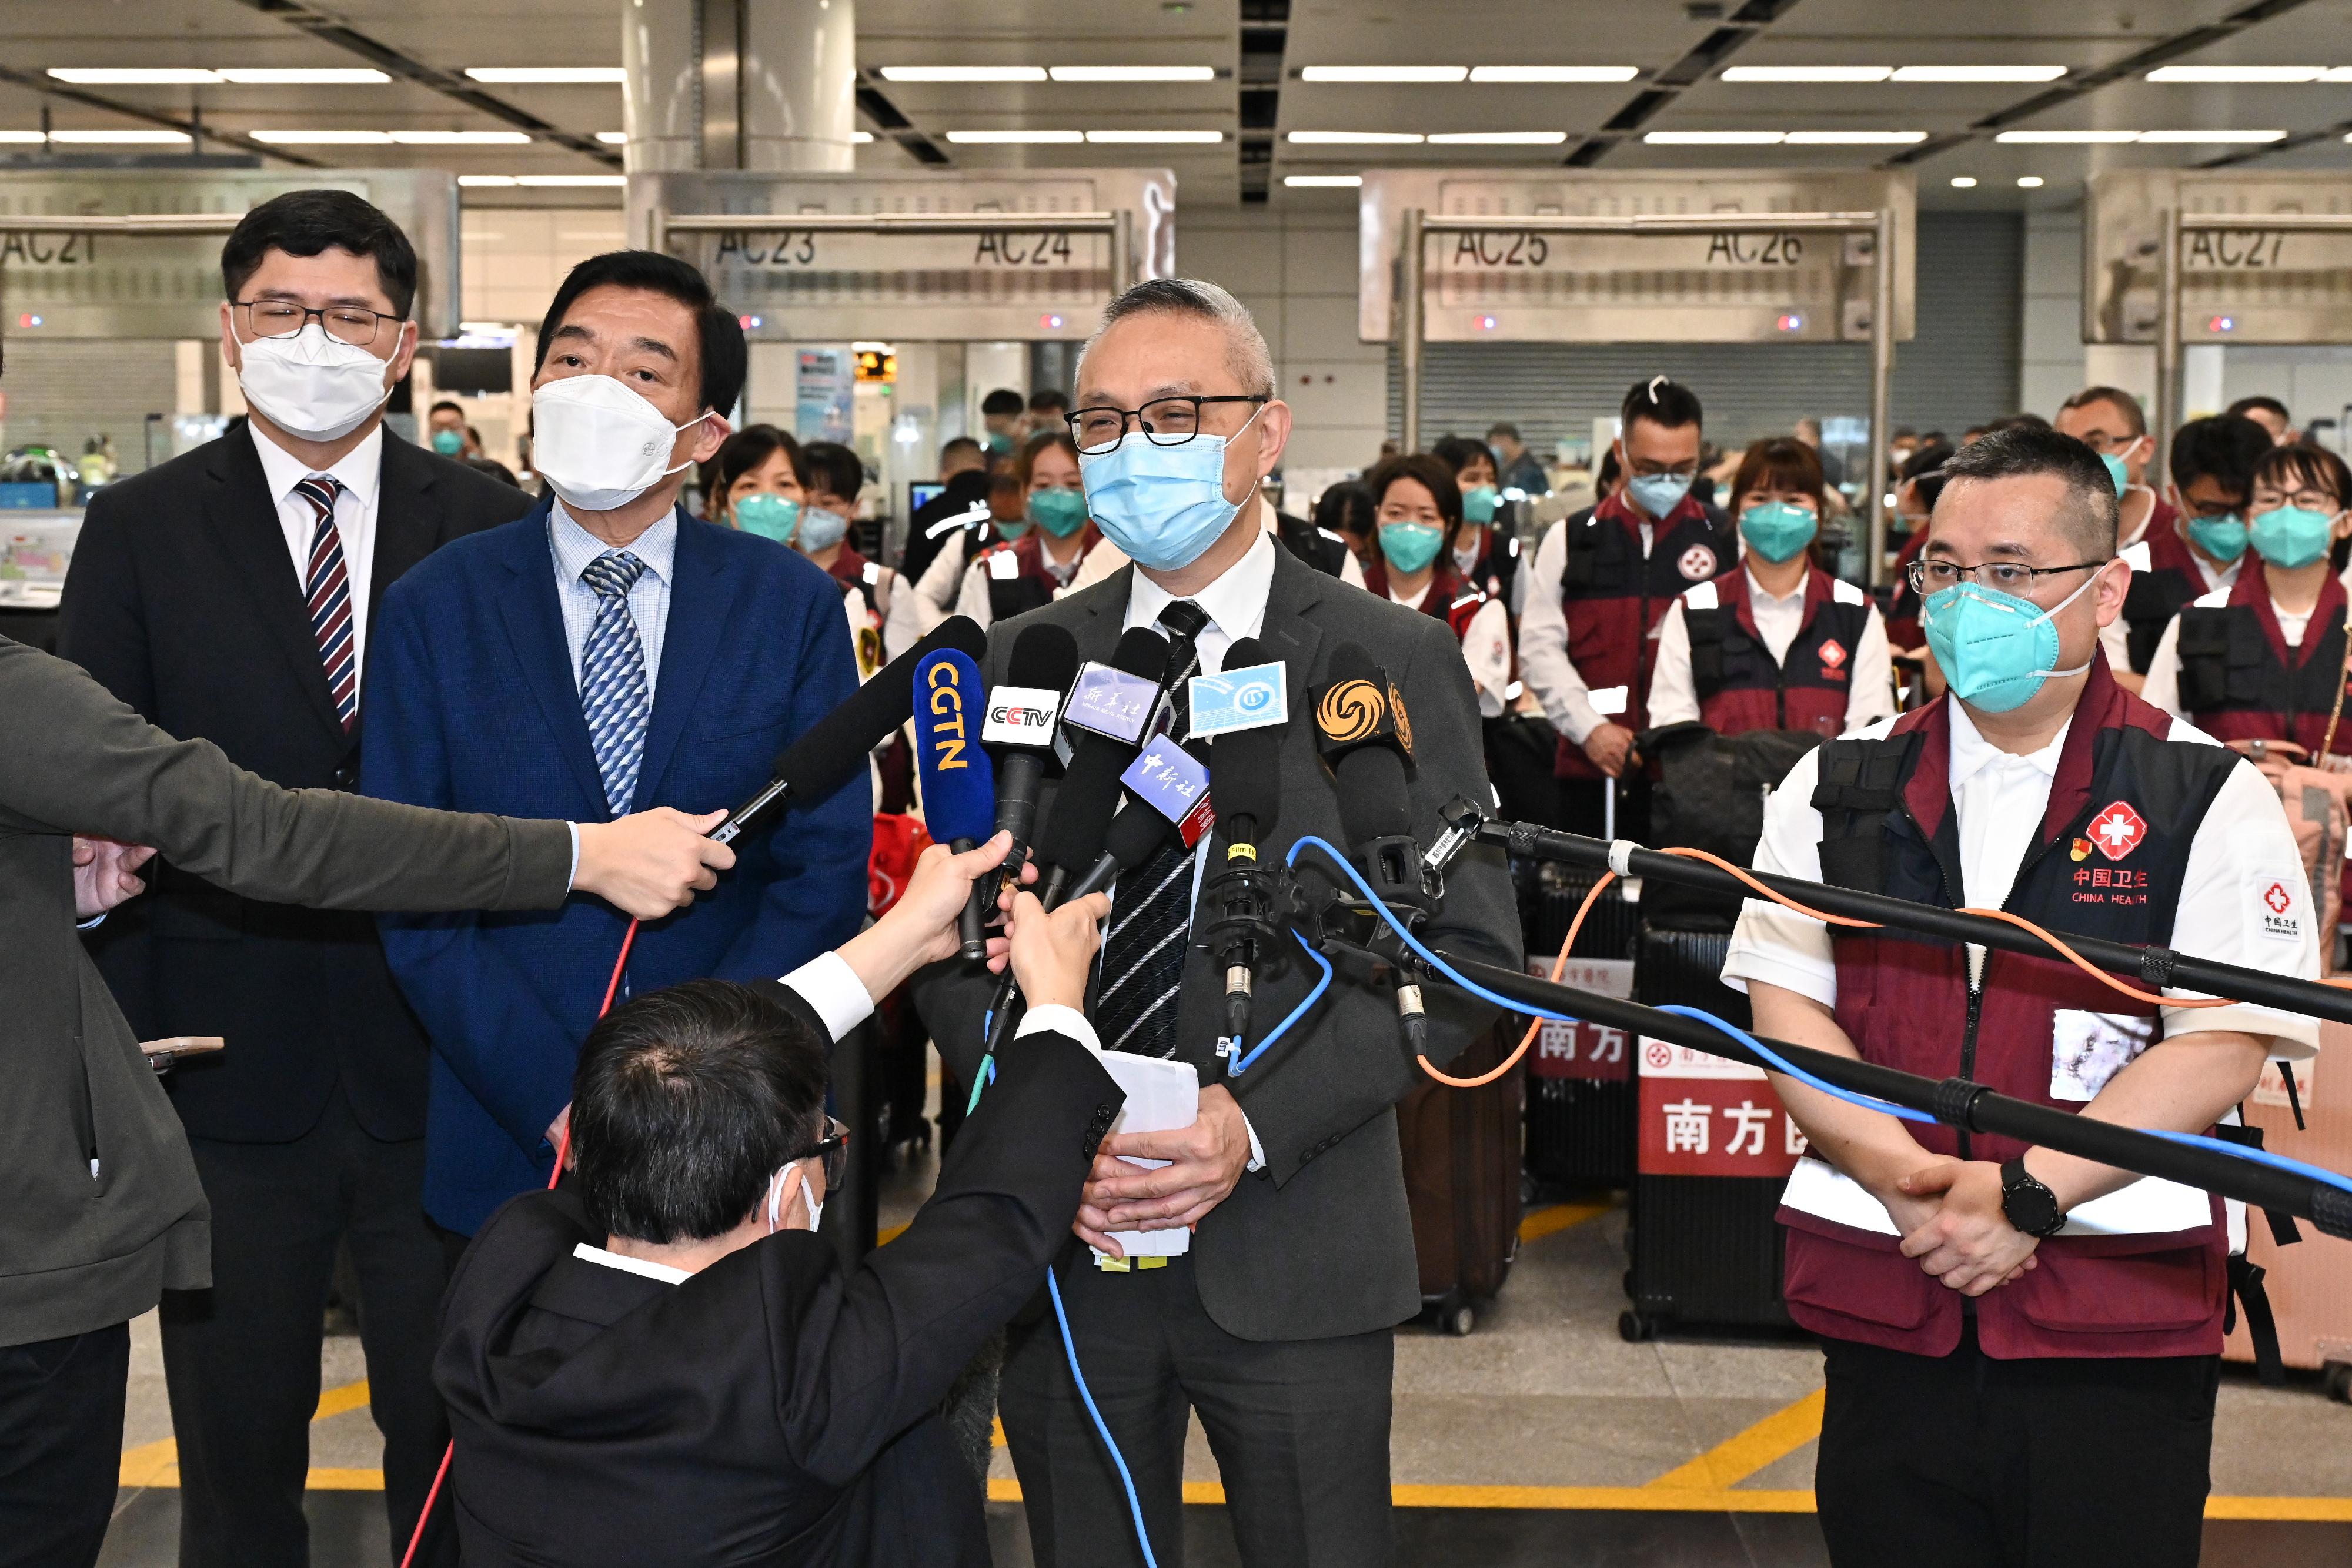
pixel 563 1155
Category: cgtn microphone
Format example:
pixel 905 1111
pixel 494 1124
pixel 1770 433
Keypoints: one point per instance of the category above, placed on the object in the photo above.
pixel 1363 729
pixel 958 779
pixel 833 749
pixel 1242 893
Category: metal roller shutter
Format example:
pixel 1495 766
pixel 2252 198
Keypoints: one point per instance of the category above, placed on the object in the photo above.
pixel 61 393
pixel 1960 369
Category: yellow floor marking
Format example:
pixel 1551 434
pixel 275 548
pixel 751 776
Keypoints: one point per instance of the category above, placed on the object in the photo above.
pixel 335 1401
pixel 1542 1222
pixel 151 1465
pixel 157 1464
pixel 996 1433
pixel 1734 1460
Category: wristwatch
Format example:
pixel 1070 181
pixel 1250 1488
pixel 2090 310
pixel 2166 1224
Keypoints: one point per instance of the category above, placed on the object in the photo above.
pixel 2031 1207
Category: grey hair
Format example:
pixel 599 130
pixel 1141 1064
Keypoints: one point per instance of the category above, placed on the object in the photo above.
pixel 1246 351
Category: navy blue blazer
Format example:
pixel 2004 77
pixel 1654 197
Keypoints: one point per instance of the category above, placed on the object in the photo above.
pixel 473 707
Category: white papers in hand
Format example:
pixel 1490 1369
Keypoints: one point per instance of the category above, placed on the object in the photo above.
pixel 1161 1096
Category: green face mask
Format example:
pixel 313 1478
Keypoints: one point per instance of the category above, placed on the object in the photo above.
pixel 1777 531
pixel 1011 529
pixel 448 442
pixel 1478 504
pixel 2223 538
pixel 768 515
pixel 1411 546
pixel 2290 537
pixel 1060 513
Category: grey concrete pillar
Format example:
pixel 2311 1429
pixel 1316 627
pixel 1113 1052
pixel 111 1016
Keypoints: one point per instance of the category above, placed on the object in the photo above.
pixel 762 85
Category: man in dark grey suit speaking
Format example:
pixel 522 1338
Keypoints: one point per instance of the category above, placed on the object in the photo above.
pixel 1275 1327
pixel 103 1210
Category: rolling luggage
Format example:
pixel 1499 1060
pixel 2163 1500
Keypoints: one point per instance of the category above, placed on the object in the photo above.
pixel 1579 1088
pixel 1461 1152
pixel 1714 1151
pixel 2309 1283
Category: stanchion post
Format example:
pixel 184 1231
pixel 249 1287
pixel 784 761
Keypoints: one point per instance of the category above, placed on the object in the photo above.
pixel 2168 337
pixel 1408 325
pixel 1882 388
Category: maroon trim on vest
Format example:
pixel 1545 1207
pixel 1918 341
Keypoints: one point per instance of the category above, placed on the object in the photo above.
pixel 1030 551
pixel 1609 641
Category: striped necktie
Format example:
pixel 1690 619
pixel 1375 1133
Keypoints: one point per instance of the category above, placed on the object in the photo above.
pixel 612 678
pixel 1143 956
pixel 327 589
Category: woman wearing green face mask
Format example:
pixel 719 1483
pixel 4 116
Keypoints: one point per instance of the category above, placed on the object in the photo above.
pixel 755 482
pixel 1482 554
pixel 1042 547
pixel 2286 611
pixel 1781 644
pixel 1417 516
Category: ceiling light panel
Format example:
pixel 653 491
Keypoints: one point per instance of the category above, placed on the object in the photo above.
pixel 123 138
pixel 21 138
pixel 963 73
pixel 1552 75
pixel 1856 138
pixel 2065 138
pixel 549 75
pixel 134 75
pixel 1497 137
pixel 1977 73
pixel 324 138
pixel 1713 138
pixel 303 76
pixel 460 138
pixel 1322 182
pixel 1015 138
pixel 2192 137
pixel 1964 181
pixel 1807 73
pixel 1155 138
pixel 613 137
pixel 1132 73
pixel 1355 138
pixel 1424 74
pixel 2252 75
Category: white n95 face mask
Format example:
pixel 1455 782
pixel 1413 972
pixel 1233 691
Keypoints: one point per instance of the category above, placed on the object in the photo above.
pixel 599 443
pixel 310 385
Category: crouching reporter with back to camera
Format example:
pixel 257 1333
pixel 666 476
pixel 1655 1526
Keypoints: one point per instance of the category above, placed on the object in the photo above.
pixel 2022 1346
pixel 660 1362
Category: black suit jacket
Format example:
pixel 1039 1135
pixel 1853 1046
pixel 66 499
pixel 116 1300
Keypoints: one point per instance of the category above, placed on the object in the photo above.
pixel 771 1410
pixel 183 602
pixel 1320 1242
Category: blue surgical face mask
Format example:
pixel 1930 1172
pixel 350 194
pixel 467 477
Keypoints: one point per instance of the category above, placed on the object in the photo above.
pixel 1478 504
pixel 1164 505
pixel 1777 531
pixel 768 515
pixel 1995 648
pixel 820 530
pixel 1060 513
pixel 2223 538
pixel 2290 537
pixel 1658 494
pixel 448 442
pixel 1411 546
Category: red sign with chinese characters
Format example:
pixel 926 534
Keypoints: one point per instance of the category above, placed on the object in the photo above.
pixel 1584 1050
pixel 1705 1115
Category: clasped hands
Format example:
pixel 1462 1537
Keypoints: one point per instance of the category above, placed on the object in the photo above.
pixel 1954 1223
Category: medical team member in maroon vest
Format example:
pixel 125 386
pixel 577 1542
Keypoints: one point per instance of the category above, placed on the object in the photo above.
pixel 1417 520
pixel 2213 462
pixel 1601 582
pixel 1040 556
pixel 1781 644
pixel 2022 1346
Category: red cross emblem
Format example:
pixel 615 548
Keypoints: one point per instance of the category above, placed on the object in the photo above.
pixel 2117 831
pixel 1832 653
pixel 1697 564
pixel 2277 898
pixel 1660 1054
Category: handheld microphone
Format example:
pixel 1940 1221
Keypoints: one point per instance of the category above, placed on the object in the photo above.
pixel 833 750
pixel 1247 766
pixel 1019 732
pixel 1361 720
pixel 958 780
pixel 1135 835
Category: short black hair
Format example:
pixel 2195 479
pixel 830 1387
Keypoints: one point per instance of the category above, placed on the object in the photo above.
pixel 1505 428
pixel 747 449
pixel 1345 507
pixel 2132 412
pixel 829 465
pixel 457 409
pixel 305 223
pixel 2017 422
pixel 2024 450
pixel 720 335
pixel 1428 471
pixel 955 443
pixel 1924 469
pixel 2225 446
pixel 1045 398
pixel 2245 405
pixel 685 1103
pixel 1458 452
pixel 1663 402
pixel 1002 404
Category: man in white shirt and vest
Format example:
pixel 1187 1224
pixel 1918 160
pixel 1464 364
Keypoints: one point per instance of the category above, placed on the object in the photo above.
pixel 2022 1346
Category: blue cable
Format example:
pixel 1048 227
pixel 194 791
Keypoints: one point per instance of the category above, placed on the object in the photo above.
pixel 1142 1536
pixel 1243 1061
pixel 2236 1151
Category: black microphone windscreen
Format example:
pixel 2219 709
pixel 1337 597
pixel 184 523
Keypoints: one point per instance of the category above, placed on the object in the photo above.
pixel 1137 833
pixel 1142 651
pixel 1246 764
pixel 833 751
pixel 1072 836
pixel 1043 655
pixel 1373 800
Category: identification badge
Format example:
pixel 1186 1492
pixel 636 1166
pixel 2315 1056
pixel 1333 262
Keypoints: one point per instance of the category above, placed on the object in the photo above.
pixel 1249 699
pixel 2275 902
pixel 1111 702
pixel 1021 715
pixel 1608 701
pixel 1002 566
pixel 2086 1048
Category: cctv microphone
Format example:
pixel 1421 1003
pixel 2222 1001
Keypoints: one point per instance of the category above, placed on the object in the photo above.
pixel 1019 733
pixel 1362 727
pixel 959 780
pixel 833 750
pixel 1247 764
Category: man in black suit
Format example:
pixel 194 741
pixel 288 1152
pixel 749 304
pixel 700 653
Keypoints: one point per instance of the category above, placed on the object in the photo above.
pixel 659 1362
pixel 1275 1327
pixel 228 595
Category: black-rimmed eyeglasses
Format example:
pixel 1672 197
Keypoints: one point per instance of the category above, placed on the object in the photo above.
pixel 833 1148
pixel 1164 420
pixel 284 317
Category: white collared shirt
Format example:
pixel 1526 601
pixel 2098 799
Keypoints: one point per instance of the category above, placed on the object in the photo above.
pixel 573 546
pixel 361 474
pixel 2162 686
pixel 1870 685
pixel 2242 843
pixel 1234 603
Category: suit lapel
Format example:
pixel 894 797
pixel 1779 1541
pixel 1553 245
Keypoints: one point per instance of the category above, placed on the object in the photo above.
pixel 408 522
pixel 534 622
pixel 699 600
pixel 243 517
pixel 1289 630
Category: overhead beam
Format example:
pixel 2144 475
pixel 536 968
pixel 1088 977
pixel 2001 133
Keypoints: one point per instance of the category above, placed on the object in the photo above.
pixel 198 133
pixel 1264 40
pixel 1695 65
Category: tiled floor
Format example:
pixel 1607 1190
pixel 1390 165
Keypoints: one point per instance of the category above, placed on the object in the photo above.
pixel 1544 1397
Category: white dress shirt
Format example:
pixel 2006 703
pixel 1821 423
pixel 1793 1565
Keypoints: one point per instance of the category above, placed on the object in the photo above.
pixel 2115 637
pixel 573 546
pixel 1870 687
pixel 1544 664
pixel 360 473
pixel 2163 685
pixel 1486 648
pixel 2242 844
pixel 971 598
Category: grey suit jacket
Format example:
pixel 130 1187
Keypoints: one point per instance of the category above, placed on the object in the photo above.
pixel 82 1249
pixel 1319 1243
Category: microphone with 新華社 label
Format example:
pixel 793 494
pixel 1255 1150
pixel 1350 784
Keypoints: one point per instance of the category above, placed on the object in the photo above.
pixel 957 776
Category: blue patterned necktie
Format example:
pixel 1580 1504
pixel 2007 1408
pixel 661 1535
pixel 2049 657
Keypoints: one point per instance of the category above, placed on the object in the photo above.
pixel 612 678
pixel 327 592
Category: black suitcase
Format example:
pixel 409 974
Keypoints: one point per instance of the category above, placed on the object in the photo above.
pixel 1579 1129
pixel 1461 1158
pixel 1706 1249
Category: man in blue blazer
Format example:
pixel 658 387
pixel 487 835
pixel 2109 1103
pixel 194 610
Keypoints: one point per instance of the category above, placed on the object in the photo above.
pixel 606 653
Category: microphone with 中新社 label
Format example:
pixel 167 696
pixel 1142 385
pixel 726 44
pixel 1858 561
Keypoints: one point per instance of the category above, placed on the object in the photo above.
pixel 1021 716
pixel 833 749
pixel 1365 734
pixel 957 777
pixel 1242 895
